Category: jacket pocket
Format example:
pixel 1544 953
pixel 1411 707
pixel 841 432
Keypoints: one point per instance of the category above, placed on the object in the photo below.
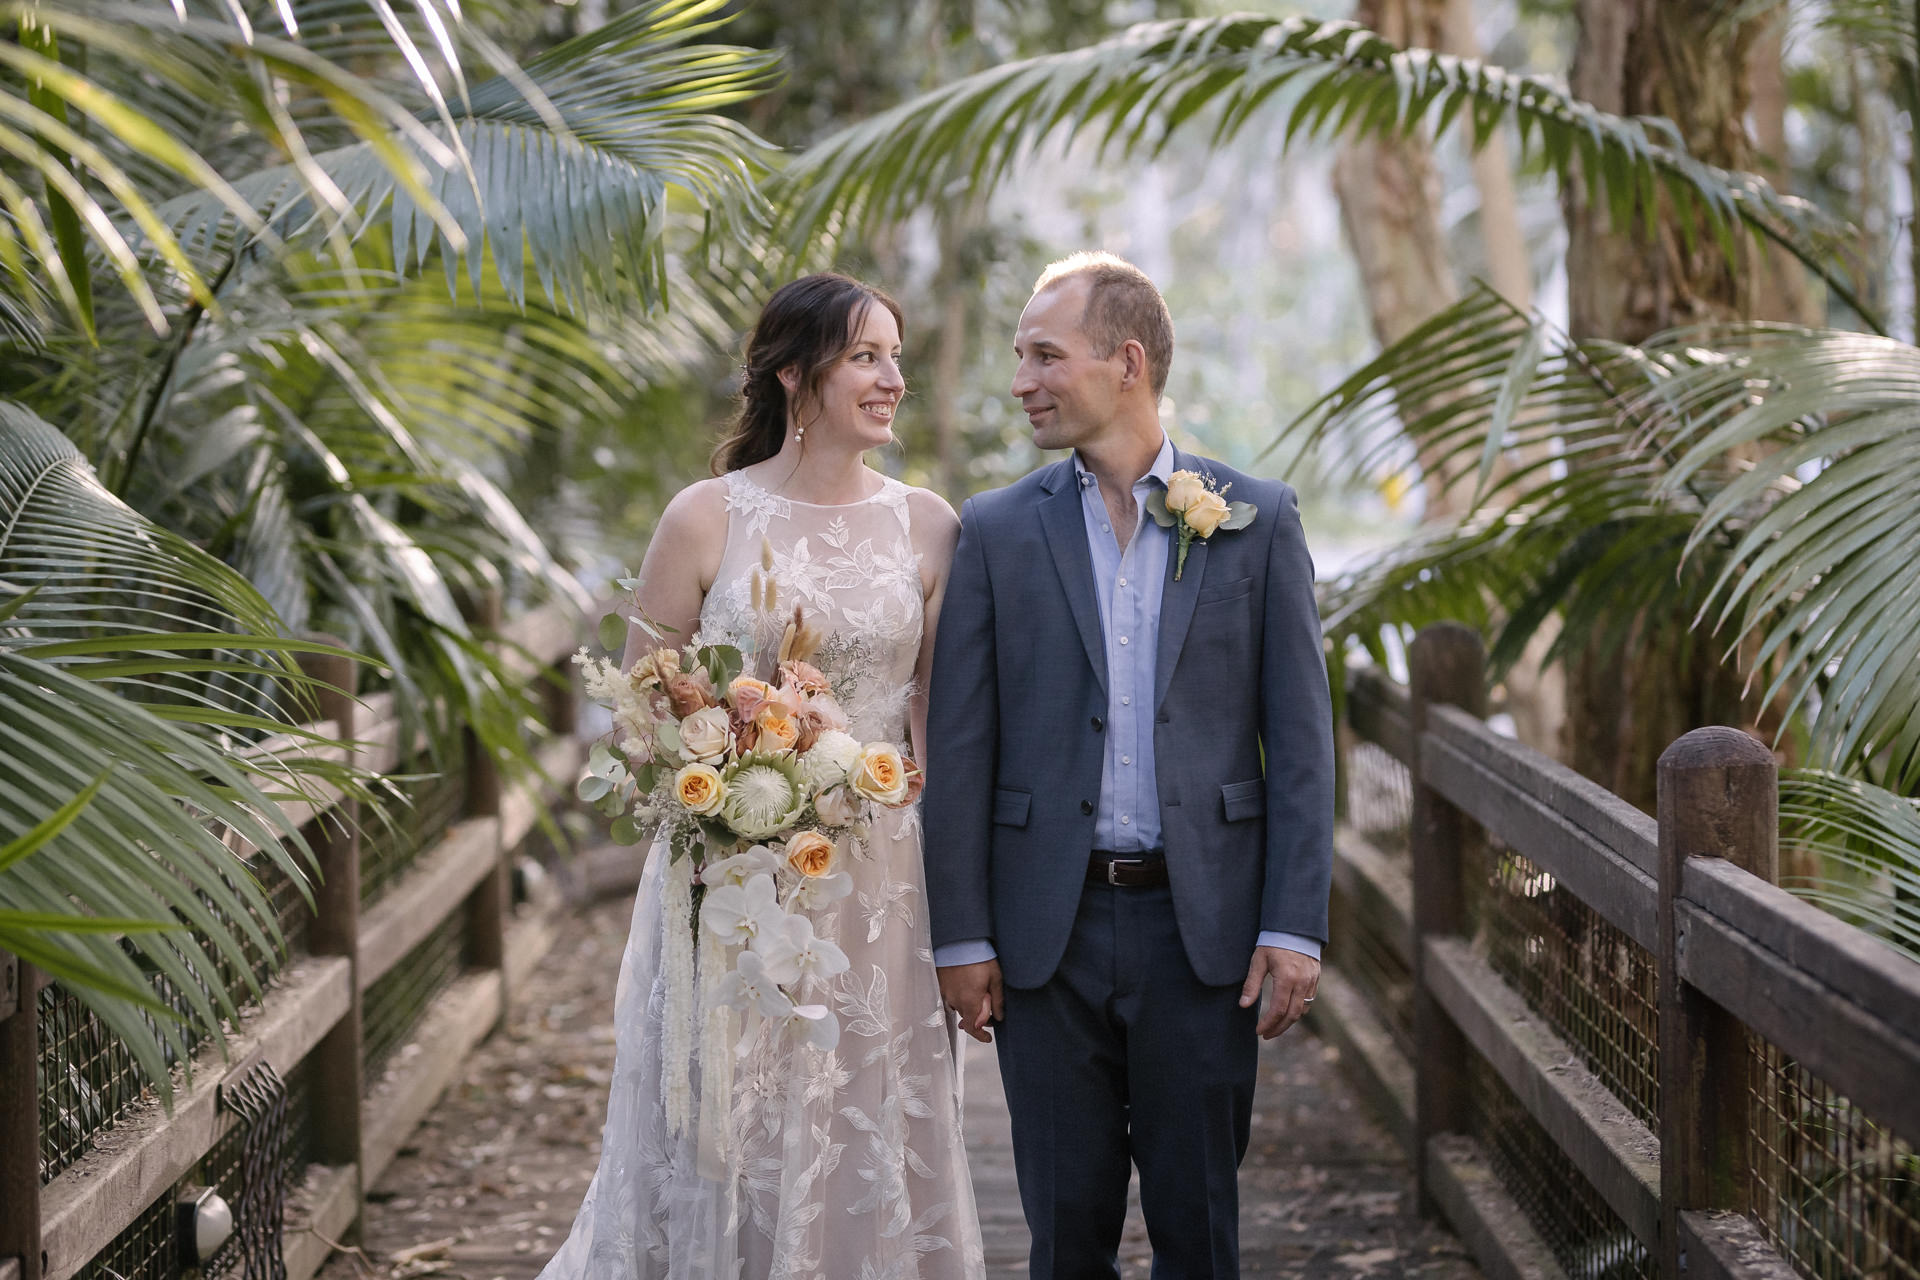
pixel 1215 592
pixel 1010 807
pixel 1243 800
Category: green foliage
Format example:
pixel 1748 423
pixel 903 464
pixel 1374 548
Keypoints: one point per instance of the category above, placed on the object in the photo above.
pixel 1138 92
pixel 1748 488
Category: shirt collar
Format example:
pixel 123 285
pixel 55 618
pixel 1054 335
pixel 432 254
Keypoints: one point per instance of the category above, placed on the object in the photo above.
pixel 1161 470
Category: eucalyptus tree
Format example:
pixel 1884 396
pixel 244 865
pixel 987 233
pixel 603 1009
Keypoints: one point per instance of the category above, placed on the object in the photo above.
pixel 285 291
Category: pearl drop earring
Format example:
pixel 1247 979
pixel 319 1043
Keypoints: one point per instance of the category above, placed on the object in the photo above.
pixel 799 435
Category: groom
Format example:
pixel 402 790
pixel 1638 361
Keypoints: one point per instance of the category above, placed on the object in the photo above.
pixel 1129 804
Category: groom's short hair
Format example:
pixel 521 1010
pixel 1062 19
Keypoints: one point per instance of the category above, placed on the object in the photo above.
pixel 1122 303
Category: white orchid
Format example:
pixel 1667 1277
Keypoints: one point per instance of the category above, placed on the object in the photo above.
pixel 741 867
pixel 815 1025
pixel 750 986
pixel 814 892
pixel 739 913
pixel 793 952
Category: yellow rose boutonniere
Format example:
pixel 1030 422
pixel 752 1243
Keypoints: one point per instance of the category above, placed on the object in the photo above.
pixel 1193 508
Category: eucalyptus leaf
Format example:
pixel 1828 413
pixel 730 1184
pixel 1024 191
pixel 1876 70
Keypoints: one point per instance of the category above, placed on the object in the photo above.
pixel 613 633
pixel 592 787
pixel 1239 515
pixel 1157 508
pixel 624 830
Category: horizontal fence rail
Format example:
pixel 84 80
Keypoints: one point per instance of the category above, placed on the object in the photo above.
pixel 413 937
pixel 1612 1044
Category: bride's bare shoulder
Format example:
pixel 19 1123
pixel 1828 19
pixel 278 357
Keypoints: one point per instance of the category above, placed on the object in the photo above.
pixel 698 511
pixel 933 513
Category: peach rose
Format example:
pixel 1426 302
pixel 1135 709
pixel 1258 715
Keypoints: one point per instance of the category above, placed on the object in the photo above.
pixel 779 728
pixel 1207 513
pixel 690 691
pixel 879 774
pixel 837 807
pixel 699 789
pixel 1184 489
pixel 810 853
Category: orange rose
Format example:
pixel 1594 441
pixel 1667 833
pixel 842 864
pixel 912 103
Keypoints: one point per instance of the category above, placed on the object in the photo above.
pixel 690 691
pixel 779 728
pixel 879 774
pixel 699 789
pixel 810 853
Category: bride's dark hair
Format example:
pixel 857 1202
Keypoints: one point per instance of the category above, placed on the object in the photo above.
pixel 808 323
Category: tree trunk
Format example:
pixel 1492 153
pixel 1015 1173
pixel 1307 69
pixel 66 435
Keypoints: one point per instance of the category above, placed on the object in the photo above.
pixel 1683 60
pixel 1780 282
pixel 1390 210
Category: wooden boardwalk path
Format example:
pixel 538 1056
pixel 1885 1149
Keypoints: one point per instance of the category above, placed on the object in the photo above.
pixel 487 1187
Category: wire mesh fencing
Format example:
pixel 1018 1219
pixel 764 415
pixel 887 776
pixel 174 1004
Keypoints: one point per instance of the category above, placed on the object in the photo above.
pixel 1836 1193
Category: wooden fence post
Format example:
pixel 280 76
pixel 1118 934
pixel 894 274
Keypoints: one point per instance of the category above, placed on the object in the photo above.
pixel 491 903
pixel 1718 797
pixel 1447 665
pixel 336 1063
pixel 20 1119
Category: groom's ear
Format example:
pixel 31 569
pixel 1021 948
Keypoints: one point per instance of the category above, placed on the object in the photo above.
pixel 1133 364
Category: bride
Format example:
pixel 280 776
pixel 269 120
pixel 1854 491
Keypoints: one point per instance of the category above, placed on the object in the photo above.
pixel 846 1164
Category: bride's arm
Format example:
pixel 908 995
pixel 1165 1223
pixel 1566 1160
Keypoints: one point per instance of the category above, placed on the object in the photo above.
pixel 935 531
pixel 681 561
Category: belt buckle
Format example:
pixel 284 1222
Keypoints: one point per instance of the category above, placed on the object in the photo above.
pixel 1113 865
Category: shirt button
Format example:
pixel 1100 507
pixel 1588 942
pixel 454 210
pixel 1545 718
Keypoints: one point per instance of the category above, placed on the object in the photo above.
pixel 1125 700
pixel 1123 639
pixel 1125 820
pixel 1123 582
pixel 1126 759
pixel 1106 528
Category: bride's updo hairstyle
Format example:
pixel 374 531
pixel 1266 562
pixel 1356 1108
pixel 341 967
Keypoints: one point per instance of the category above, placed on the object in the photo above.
pixel 809 323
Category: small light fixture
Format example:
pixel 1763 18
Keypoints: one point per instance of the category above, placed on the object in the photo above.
pixel 203 1222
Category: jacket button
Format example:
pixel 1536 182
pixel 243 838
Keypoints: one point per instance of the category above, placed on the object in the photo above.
pixel 1086 806
pixel 1098 724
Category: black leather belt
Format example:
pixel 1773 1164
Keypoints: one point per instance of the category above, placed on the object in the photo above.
pixel 1127 870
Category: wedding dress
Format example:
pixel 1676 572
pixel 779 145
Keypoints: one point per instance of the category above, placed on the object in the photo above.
pixel 848 1164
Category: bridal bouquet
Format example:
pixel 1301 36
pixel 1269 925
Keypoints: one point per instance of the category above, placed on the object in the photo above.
pixel 760 793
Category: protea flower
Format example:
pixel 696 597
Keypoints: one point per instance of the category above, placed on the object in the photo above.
pixel 765 794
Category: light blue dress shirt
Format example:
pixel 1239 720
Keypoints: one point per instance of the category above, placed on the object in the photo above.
pixel 1129 583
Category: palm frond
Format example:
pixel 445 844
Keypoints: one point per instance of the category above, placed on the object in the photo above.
pixel 146 847
pixel 1824 427
pixel 574 161
pixel 1140 91
pixel 1868 842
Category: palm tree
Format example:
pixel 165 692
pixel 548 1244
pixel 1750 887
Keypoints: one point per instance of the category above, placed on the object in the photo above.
pixel 285 292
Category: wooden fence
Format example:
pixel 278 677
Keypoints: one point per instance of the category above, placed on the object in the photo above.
pixel 1613 1046
pixel 389 984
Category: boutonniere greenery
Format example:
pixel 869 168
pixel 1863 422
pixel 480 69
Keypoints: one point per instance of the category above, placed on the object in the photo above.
pixel 1194 508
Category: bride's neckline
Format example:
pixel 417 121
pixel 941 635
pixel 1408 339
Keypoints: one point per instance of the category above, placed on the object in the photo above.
pixel 886 482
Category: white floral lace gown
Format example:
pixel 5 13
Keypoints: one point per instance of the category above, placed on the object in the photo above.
pixel 851 1164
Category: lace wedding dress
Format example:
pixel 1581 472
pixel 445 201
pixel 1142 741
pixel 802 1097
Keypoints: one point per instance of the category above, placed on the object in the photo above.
pixel 849 1164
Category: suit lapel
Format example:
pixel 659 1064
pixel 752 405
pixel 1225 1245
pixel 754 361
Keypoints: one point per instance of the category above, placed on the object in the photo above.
pixel 1062 517
pixel 1177 597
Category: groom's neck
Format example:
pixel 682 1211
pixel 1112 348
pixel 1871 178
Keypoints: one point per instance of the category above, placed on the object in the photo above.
pixel 1119 456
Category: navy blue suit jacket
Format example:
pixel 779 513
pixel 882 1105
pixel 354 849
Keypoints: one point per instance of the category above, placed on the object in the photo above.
pixel 1243 730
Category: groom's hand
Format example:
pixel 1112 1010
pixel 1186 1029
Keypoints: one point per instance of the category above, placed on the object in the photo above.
pixel 1293 977
pixel 973 992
